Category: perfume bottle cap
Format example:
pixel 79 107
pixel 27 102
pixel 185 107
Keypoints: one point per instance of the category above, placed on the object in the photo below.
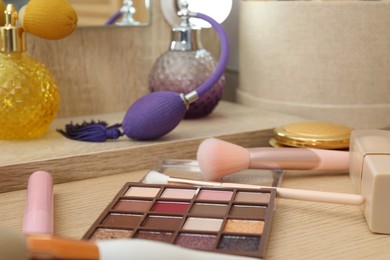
pixel 12 38
pixel 185 36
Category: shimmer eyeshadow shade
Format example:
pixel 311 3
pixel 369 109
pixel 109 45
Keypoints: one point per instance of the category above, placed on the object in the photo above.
pixel 107 233
pixel 152 235
pixel 244 226
pixel 196 241
pixel 233 221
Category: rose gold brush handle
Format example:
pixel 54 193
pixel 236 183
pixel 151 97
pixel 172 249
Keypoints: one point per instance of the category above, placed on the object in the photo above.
pixel 285 193
pixel 305 195
pixel 298 159
pixel 320 196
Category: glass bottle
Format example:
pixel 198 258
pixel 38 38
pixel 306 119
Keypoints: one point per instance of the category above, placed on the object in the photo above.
pixel 184 67
pixel 28 93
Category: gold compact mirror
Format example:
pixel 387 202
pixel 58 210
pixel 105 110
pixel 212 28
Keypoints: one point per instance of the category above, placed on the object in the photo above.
pixel 321 135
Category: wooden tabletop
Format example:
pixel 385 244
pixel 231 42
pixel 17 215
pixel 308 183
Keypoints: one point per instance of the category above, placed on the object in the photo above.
pixel 300 230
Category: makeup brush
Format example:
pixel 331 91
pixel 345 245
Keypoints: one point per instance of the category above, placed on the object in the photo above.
pixel 218 158
pixel 154 177
pixel 15 246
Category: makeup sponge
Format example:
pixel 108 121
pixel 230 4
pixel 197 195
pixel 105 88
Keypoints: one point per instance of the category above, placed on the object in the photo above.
pixel 53 20
pixel 12 245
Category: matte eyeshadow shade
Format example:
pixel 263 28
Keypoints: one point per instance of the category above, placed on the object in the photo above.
pixel 178 193
pixel 133 205
pixel 244 226
pixel 239 243
pixel 170 207
pixel 202 209
pixel 122 220
pixel 157 236
pixel 163 222
pixel 252 197
pixel 107 233
pixel 205 224
pixel 142 192
pixel 215 195
pixel 248 211
pixel 196 241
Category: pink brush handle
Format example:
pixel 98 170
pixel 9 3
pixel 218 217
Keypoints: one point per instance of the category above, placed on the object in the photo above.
pixel 298 159
pixel 38 215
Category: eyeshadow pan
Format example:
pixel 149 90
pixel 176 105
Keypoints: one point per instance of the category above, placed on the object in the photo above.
pixel 122 220
pixel 107 233
pixel 170 207
pixel 157 236
pixel 252 197
pixel 205 224
pixel 142 192
pixel 202 209
pixel 133 205
pixel 163 222
pixel 239 243
pixel 178 193
pixel 244 211
pixel 215 195
pixel 196 241
pixel 244 226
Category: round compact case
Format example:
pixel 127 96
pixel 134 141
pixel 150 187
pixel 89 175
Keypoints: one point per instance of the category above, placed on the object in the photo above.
pixel 322 135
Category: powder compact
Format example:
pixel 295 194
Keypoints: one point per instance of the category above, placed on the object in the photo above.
pixel 321 135
pixel 233 221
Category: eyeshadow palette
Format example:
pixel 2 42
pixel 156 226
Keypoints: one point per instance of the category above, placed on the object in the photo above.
pixel 224 220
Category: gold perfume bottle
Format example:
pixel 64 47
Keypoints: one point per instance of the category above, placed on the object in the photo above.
pixel 29 97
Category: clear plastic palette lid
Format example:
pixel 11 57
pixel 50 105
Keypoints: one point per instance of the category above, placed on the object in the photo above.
pixel 189 169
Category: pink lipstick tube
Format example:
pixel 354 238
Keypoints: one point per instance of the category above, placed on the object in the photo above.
pixel 38 214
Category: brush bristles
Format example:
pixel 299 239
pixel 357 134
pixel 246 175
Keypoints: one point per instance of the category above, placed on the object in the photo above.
pixel 218 158
pixel 154 177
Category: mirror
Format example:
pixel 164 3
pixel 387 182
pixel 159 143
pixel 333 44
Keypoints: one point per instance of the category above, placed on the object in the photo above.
pixel 113 12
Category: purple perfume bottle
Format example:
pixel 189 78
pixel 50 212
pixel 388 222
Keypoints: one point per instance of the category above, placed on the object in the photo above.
pixel 185 66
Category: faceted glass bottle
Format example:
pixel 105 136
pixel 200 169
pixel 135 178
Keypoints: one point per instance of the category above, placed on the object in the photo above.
pixel 29 97
pixel 184 67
